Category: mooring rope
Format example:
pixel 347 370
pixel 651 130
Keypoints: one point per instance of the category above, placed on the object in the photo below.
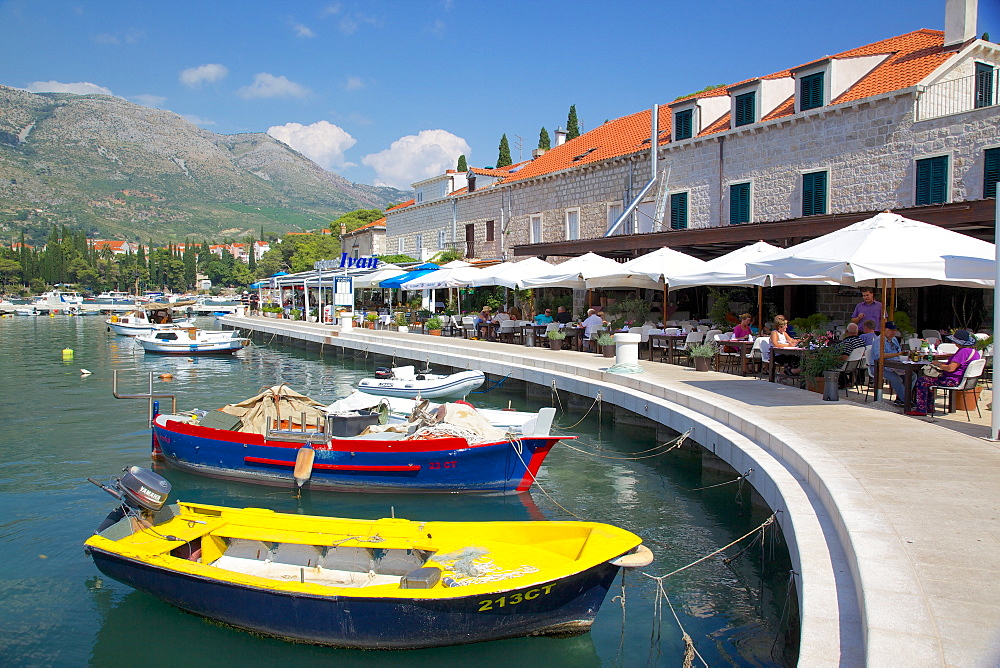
pixel 494 386
pixel 597 402
pixel 518 450
pixel 654 641
pixel 728 482
pixel 638 456
pixel 767 522
pixel 558 399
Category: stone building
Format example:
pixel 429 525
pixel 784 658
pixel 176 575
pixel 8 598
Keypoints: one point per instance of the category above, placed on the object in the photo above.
pixel 910 123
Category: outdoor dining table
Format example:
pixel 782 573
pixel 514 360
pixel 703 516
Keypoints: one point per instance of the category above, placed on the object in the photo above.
pixel 669 340
pixel 744 348
pixel 909 369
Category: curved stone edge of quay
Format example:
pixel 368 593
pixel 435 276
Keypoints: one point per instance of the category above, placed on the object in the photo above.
pixel 852 576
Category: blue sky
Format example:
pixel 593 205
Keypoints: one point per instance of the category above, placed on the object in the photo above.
pixel 391 91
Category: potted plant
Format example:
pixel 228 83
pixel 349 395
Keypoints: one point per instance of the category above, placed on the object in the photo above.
pixel 606 344
pixel 313 315
pixel 433 325
pixel 702 354
pixel 370 320
pixel 555 338
pixel 402 325
pixel 817 362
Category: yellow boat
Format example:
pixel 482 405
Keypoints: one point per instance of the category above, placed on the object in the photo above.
pixel 379 584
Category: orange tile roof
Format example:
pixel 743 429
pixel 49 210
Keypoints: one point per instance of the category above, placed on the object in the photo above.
pixel 912 57
pixel 375 223
pixel 401 205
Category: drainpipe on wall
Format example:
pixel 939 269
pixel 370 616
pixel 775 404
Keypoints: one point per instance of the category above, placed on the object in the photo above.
pixel 654 147
pixel 454 223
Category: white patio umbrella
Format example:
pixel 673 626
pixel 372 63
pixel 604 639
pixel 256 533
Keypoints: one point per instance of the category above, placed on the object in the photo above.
pixel 511 274
pixel 572 273
pixel 373 279
pixel 728 269
pixel 652 270
pixel 886 246
pixel 963 267
pixel 452 275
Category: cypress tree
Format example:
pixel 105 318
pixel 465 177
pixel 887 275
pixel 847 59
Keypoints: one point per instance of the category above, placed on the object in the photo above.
pixel 572 124
pixel 503 160
pixel 463 166
pixel 543 139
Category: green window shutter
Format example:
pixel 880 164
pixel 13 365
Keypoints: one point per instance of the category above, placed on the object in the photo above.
pixel 814 193
pixel 932 181
pixel 679 211
pixel 739 203
pixel 984 85
pixel 745 109
pixel 811 91
pixel 683 124
pixel 991 172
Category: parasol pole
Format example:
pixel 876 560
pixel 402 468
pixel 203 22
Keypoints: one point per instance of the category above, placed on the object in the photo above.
pixel 881 344
pixel 995 416
pixel 760 309
pixel 663 313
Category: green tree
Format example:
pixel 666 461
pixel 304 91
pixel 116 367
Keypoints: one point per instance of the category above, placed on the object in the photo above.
pixel 9 269
pixel 463 166
pixel 543 139
pixel 572 124
pixel 504 160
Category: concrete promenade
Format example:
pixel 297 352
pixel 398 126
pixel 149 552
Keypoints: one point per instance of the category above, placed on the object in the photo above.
pixel 892 523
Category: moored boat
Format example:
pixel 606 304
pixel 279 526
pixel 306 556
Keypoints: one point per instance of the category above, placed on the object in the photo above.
pixel 260 440
pixel 191 341
pixel 148 317
pixel 376 584
pixel 405 381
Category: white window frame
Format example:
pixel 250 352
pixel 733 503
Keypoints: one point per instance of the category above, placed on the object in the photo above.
pixel 420 196
pixel 570 212
pixel 612 216
pixel 535 228
pixel 442 238
pixel 400 245
pixel 418 241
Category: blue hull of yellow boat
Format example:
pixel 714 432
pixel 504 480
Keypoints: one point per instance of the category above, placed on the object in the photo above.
pixel 562 607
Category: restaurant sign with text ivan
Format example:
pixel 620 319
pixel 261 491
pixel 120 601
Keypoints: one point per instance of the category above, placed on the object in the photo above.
pixel 347 262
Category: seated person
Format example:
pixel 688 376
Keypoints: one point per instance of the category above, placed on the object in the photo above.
pixel 592 324
pixel 851 342
pixel 544 318
pixel 868 332
pixel 780 338
pixel 891 349
pixel 515 313
pixel 485 316
pixel 952 371
pixel 742 331
pixel 563 316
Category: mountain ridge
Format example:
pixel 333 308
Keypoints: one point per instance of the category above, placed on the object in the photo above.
pixel 120 170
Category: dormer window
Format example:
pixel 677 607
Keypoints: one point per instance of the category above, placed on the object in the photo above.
pixel 984 85
pixel 472 182
pixel 684 124
pixel 811 91
pixel 745 111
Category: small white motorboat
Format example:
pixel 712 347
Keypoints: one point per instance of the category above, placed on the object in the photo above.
pixel 191 341
pixel 148 317
pixel 405 381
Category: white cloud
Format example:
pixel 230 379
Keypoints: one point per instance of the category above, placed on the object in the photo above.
pixel 302 30
pixel 438 28
pixel 77 88
pixel 268 85
pixel 149 100
pixel 351 23
pixel 193 77
pixel 353 83
pixel 322 142
pixel 331 9
pixel 130 36
pixel 197 120
pixel 416 157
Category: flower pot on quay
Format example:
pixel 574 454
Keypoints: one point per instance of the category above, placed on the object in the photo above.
pixel 555 344
pixel 702 363
pixel 434 332
pixel 609 350
pixel 966 400
pixel 817 384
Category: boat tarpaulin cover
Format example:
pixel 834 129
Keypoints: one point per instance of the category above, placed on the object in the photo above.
pixel 278 404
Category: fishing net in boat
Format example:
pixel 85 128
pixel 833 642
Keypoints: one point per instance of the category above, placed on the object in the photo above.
pixel 279 407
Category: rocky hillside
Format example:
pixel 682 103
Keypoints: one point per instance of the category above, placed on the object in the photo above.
pixel 120 170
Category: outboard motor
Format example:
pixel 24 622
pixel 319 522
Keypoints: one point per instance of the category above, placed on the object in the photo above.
pixel 383 372
pixel 140 491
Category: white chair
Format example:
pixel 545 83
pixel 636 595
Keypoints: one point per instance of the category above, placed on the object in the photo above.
pixel 469 326
pixel 849 369
pixel 711 333
pixel 501 317
pixel 947 349
pixel 690 341
pixel 969 380
pixel 727 359
pixel 931 334
pixel 913 343
pixel 510 331
pixel 763 344
pixel 755 356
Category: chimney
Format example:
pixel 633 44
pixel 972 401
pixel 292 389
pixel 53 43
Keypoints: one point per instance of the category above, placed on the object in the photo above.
pixel 561 134
pixel 537 152
pixel 959 21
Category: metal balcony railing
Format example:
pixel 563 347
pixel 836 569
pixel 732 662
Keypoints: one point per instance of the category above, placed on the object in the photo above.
pixel 958 95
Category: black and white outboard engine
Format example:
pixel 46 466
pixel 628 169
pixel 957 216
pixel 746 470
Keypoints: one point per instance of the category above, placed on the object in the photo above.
pixel 141 492
pixel 383 372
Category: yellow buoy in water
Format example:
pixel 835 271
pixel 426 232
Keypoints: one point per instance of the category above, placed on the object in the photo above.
pixel 166 376
pixel 67 353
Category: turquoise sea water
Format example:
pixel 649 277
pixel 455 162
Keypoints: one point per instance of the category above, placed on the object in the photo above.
pixel 57 427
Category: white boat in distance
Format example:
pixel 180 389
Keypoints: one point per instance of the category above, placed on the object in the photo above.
pixel 404 381
pixel 191 341
pixel 148 317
